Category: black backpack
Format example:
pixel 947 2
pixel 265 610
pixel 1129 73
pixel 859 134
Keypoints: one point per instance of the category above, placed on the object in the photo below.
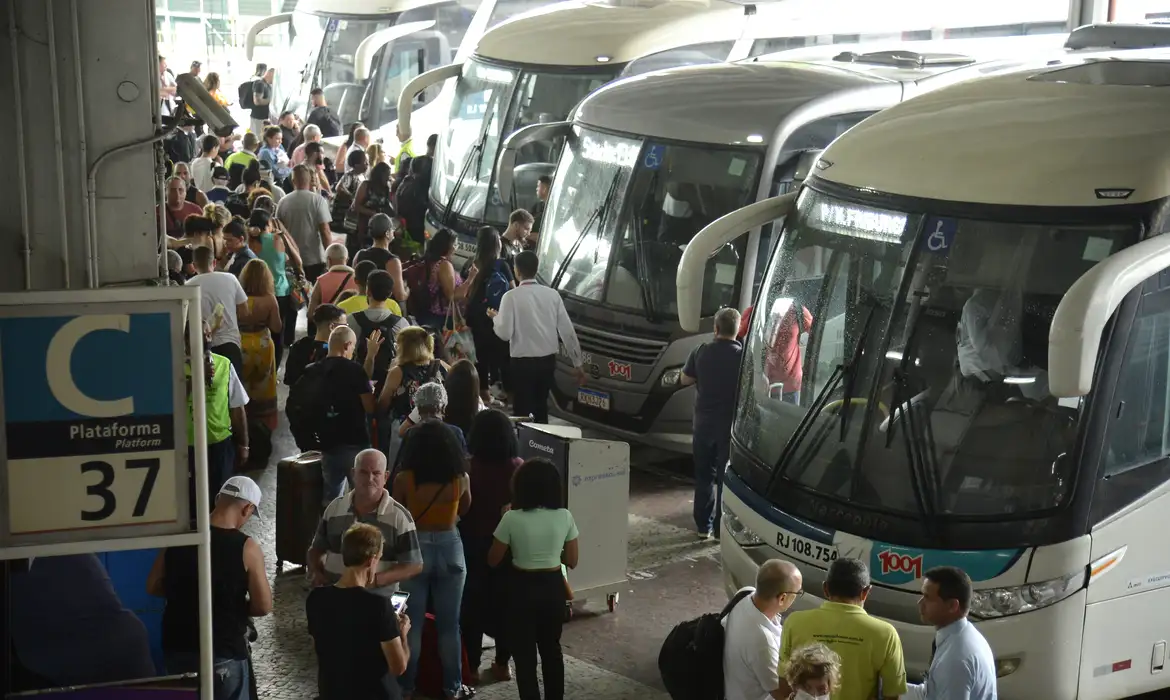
pixel 309 406
pixel 245 90
pixel 691 659
pixel 387 351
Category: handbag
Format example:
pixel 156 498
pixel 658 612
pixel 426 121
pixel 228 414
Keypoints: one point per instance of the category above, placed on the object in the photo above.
pixel 298 287
pixel 457 335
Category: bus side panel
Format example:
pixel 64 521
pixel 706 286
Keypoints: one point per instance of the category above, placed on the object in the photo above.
pixel 1128 606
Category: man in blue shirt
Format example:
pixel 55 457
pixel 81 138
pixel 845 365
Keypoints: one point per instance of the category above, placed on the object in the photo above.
pixel 714 368
pixel 962 666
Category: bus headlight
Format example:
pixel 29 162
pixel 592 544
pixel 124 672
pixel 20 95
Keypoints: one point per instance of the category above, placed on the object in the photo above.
pixel 1013 600
pixel 742 534
pixel 671 376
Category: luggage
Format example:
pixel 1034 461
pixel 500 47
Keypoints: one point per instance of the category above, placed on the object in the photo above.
pixel 691 659
pixel 300 490
pixel 429 681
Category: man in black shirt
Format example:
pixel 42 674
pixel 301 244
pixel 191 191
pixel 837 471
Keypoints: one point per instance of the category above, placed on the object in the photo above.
pixel 350 401
pixel 714 367
pixel 360 638
pixel 310 349
pixel 239 591
pixel 543 186
pixel 322 116
pixel 261 98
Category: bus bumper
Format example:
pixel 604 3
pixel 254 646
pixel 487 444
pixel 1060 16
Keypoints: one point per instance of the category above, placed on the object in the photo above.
pixel 669 423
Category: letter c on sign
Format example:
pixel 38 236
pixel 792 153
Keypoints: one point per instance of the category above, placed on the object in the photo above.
pixel 58 366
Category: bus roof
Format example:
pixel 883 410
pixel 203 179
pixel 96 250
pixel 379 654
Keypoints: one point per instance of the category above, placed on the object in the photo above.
pixel 735 103
pixel 583 34
pixel 1071 135
pixel 365 8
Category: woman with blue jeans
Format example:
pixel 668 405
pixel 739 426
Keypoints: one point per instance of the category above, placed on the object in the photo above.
pixel 434 487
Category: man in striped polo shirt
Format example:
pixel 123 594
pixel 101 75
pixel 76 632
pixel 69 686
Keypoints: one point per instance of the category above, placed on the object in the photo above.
pixel 368 502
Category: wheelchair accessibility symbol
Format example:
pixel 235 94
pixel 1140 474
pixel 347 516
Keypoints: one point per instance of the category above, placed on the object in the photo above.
pixel 940 233
pixel 653 158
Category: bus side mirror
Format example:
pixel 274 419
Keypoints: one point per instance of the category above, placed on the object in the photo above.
pixel 506 164
pixel 250 39
pixel 714 236
pixel 417 85
pixel 1074 338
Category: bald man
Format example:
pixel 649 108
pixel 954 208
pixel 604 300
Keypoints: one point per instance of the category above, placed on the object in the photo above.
pixel 349 400
pixel 751 652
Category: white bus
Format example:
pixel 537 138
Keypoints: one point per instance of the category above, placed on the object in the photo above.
pixel 362 52
pixel 653 158
pixel 986 374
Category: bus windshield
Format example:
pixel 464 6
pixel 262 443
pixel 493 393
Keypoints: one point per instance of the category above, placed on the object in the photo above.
pixel 667 193
pixel 488 110
pixel 336 66
pixel 898 360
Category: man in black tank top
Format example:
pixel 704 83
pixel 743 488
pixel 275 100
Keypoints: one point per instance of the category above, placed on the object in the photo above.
pixel 239 591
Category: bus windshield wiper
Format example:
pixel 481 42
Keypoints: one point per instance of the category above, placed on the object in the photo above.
pixel 643 264
pixel 851 374
pixel 845 370
pixel 597 216
pixel 476 152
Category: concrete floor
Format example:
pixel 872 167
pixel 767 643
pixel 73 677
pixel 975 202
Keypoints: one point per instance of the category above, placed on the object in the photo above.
pixel 672 577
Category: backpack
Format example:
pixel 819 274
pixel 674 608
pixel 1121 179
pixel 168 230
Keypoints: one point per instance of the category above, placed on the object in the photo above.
pixel 691 659
pixel 492 290
pixel 387 351
pixel 245 91
pixel 237 205
pixel 309 405
pixel 416 275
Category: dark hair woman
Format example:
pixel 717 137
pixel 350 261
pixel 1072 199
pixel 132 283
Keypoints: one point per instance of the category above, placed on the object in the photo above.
pixel 372 197
pixel 463 400
pixel 444 286
pixel 495 277
pixel 434 487
pixel 279 252
pixel 493 462
pixel 541 536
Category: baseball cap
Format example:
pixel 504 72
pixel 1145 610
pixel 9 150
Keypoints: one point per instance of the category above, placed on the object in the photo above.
pixel 244 488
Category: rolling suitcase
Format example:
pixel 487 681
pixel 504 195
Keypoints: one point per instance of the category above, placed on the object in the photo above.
pixel 300 488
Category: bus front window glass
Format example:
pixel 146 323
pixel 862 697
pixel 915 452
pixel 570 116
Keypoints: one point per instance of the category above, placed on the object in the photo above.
pixel 507 9
pixel 468 149
pixel 577 235
pixel 337 69
pixel 949 411
pixel 677 191
pixel 693 55
pixel 541 98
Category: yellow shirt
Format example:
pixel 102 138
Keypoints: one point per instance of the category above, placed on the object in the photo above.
pixel 359 302
pixel 869 648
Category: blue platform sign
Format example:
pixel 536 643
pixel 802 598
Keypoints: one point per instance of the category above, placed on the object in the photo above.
pixel 652 159
pixel 94 406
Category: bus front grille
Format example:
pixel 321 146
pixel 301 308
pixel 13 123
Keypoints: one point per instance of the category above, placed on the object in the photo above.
pixel 622 347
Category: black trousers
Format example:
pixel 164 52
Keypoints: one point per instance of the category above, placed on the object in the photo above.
pixel 288 319
pixel 312 272
pixel 532 380
pixel 491 355
pixel 536 612
pixel 484 600
pixel 233 353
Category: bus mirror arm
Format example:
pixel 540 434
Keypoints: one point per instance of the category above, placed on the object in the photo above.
pixel 250 39
pixel 417 85
pixel 506 163
pixel 714 236
pixel 1074 338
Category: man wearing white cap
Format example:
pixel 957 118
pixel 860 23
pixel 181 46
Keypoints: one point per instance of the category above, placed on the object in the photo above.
pixel 239 591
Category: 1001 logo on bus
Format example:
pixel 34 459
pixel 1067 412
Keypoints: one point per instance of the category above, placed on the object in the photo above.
pixel 893 562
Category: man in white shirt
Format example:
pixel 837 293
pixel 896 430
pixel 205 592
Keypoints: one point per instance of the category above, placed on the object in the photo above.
pixel 202 166
pixel 306 215
pixel 751 648
pixel 222 300
pixel 961 663
pixel 532 318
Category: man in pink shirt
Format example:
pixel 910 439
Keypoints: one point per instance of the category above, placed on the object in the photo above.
pixel 310 134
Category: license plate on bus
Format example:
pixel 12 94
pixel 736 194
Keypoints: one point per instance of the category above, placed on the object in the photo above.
pixel 804 547
pixel 594 399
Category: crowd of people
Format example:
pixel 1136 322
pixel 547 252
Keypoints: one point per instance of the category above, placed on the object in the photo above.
pixel 403 384
pixel 839 650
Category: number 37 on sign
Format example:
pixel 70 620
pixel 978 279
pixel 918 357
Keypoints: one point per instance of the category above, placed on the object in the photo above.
pixel 92 491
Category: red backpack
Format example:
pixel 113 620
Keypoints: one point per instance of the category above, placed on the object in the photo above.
pixel 417 278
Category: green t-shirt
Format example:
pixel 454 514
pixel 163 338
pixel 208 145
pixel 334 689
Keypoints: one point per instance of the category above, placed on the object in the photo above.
pixel 536 537
pixel 869 648
pixel 242 157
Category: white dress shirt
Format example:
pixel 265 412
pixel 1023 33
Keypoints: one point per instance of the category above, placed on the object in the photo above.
pixel 963 667
pixel 751 653
pixel 531 318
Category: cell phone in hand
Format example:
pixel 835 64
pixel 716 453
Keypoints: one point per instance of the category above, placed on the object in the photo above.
pixel 398 600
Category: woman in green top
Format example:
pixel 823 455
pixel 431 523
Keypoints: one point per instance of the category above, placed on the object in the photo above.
pixel 279 252
pixel 541 536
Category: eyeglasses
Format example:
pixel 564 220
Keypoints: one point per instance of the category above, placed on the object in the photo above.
pixel 796 595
